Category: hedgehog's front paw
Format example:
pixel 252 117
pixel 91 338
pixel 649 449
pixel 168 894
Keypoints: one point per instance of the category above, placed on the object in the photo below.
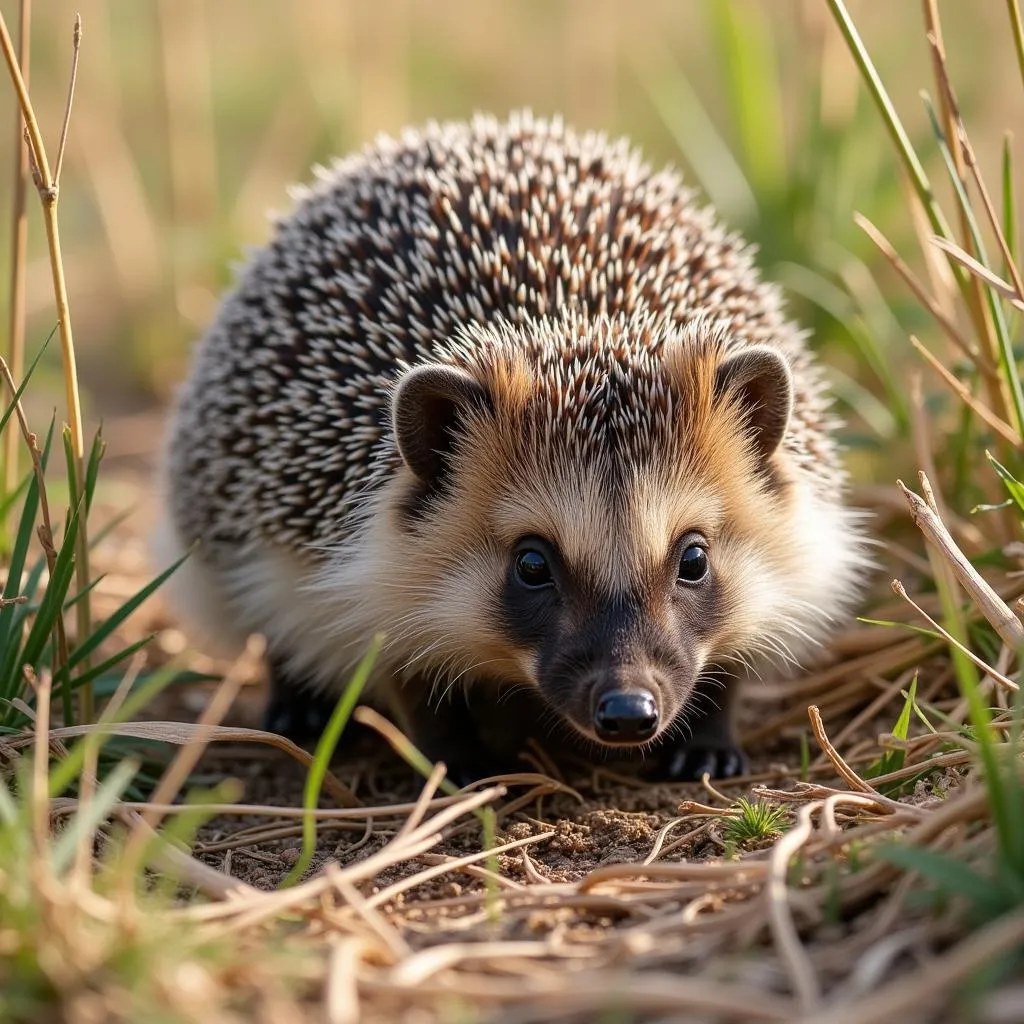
pixel 691 761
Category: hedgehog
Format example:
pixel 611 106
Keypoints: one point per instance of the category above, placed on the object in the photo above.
pixel 507 395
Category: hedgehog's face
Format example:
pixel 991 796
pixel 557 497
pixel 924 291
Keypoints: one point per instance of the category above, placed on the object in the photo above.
pixel 611 573
pixel 615 657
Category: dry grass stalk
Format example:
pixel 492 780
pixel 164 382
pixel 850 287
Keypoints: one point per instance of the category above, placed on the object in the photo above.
pixel 48 186
pixel 185 732
pixel 946 322
pixel 982 411
pixel 999 677
pixel 19 247
pixel 992 606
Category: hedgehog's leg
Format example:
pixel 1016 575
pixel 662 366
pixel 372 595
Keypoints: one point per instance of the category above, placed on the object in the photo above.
pixel 447 729
pixel 711 746
pixel 295 709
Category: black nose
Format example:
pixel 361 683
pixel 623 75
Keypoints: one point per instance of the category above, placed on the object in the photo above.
pixel 626 716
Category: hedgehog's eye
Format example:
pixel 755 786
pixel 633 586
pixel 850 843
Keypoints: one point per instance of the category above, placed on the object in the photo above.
pixel 532 569
pixel 693 565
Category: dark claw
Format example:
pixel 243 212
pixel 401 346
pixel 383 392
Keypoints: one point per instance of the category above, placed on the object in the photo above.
pixel 690 763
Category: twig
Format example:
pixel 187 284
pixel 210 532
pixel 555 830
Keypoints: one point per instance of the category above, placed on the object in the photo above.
pixel 383 928
pixel 341 998
pixel 974 295
pixel 416 842
pixel 1003 680
pixel 851 777
pixel 40 768
pixel 992 606
pixel 453 864
pixel 184 732
pixel 88 783
pixel 700 870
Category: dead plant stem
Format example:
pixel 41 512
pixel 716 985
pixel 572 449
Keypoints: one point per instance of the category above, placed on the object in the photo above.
pixel 19 250
pixel 49 189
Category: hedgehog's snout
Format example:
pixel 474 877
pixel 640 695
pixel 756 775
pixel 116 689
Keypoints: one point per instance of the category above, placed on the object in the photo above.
pixel 625 704
pixel 626 716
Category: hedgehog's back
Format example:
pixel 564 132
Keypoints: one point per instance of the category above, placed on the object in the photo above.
pixel 380 264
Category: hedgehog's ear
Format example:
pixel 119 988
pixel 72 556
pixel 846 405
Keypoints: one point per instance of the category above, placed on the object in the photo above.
pixel 761 382
pixel 425 409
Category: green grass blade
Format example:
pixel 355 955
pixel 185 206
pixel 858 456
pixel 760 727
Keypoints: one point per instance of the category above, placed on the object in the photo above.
pixel 746 50
pixel 102 632
pixel 693 130
pixel 84 824
pixel 1018 33
pixel 918 177
pixel 79 594
pixel 11 681
pixel 53 599
pixel 1013 486
pixel 1010 230
pixel 111 663
pixel 893 760
pixel 69 462
pixel 92 467
pixel 322 757
pixel 909 626
pixel 12 499
pixel 951 876
pixel 108 528
pixel 181 829
pixel 13 404
pixel 64 773
pixel 106 686
pixel 23 537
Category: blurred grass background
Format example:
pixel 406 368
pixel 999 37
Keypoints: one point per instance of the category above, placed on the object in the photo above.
pixel 192 116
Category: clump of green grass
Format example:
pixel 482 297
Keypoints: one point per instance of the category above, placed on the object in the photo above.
pixel 753 824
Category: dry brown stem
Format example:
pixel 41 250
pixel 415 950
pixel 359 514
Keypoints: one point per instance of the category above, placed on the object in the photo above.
pixel 48 187
pixel 992 606
pixel 19 248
